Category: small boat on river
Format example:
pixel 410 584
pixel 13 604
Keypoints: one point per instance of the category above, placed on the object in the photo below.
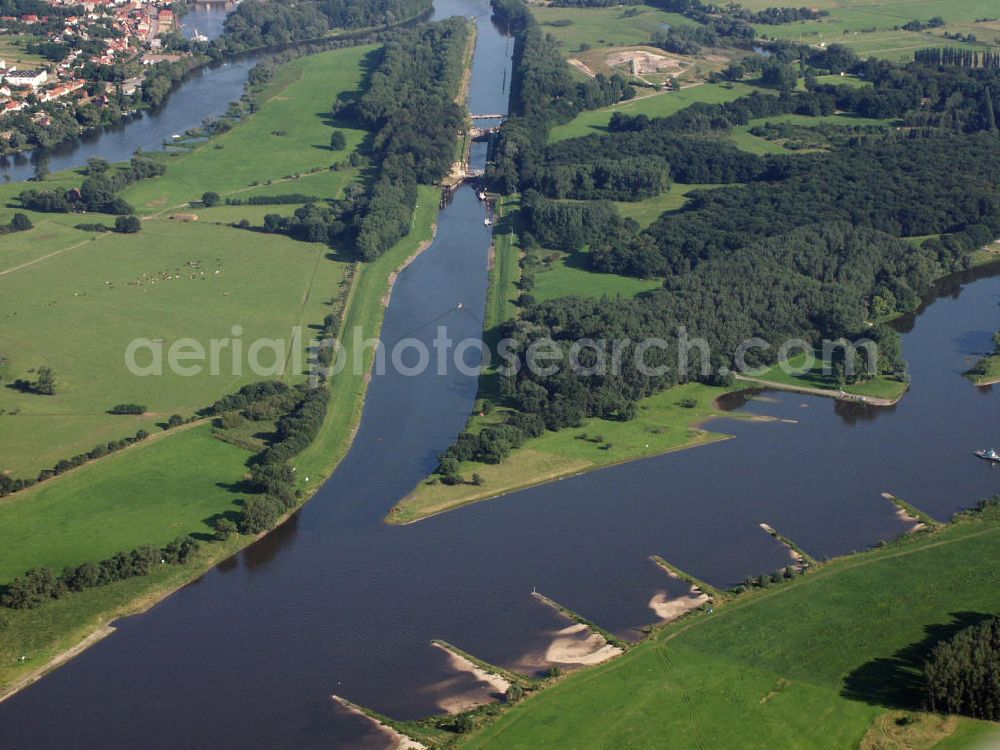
pixel 988 454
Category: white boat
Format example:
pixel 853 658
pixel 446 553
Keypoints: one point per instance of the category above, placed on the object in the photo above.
pixel 482 195
pixel 988 454
pixel 487 222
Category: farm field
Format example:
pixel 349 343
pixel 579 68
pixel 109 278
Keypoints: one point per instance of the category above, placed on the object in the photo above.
pixel 667 421
pixel 813 663
pixel 174 279
pixel 655 105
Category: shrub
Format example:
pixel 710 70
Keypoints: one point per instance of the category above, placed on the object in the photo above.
pixel 127 224
pixel 128 409
pixel 210 199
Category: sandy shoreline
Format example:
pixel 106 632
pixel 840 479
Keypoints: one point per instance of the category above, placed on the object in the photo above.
pixel 904 515
pixel 396 740
pixel 793 553
pixel 492 686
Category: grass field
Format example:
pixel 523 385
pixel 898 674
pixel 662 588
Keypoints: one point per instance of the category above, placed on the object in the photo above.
pixel 148 494
pixel 871 29
pixel 12 51
pixel 649 210
pixel 744 139
pixel 567 274
pixel 293 127
pixel 604 27
pixel 810 664
pixel 881 387
pixel 656 105
pixel 174 279
pixel 662 424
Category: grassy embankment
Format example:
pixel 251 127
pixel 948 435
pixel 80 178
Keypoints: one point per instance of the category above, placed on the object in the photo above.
pixel 872 30
pixel 880 388
pixel 665 423
pixel 828 661
pixel 177 482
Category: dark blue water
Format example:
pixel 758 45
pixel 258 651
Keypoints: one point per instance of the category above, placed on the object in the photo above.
pixel 337 602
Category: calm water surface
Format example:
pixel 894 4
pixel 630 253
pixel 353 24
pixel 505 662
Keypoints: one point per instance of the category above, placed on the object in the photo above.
pixel 337 602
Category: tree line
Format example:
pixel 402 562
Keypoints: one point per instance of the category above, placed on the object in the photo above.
pixel 266 23
pixel 40 585
pixel 98 191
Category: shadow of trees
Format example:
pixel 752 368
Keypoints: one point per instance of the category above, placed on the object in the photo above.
pixel 897 681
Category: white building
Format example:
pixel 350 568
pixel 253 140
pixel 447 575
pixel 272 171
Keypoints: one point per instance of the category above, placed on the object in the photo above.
pixel 31 78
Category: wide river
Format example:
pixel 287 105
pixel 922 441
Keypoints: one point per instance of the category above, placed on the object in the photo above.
pixel 337 602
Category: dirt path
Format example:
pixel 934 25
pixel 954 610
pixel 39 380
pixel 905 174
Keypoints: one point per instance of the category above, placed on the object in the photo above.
pixel 50 255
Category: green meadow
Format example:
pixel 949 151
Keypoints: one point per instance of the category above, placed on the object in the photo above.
pixel 505 271
pixel 566 274
pixel 668 421
pixel 617 26
pixel 654 105
pixel 169 282
pixel 829 661
pixel 292 128
pixel 872 29
pixel 799 376
pixel 150 493
pixel 672 199
pixel 175 279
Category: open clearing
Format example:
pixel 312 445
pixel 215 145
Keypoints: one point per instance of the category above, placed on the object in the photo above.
pixel 813 663
pixel 174 279
pixel 604 27
pixel 655 105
